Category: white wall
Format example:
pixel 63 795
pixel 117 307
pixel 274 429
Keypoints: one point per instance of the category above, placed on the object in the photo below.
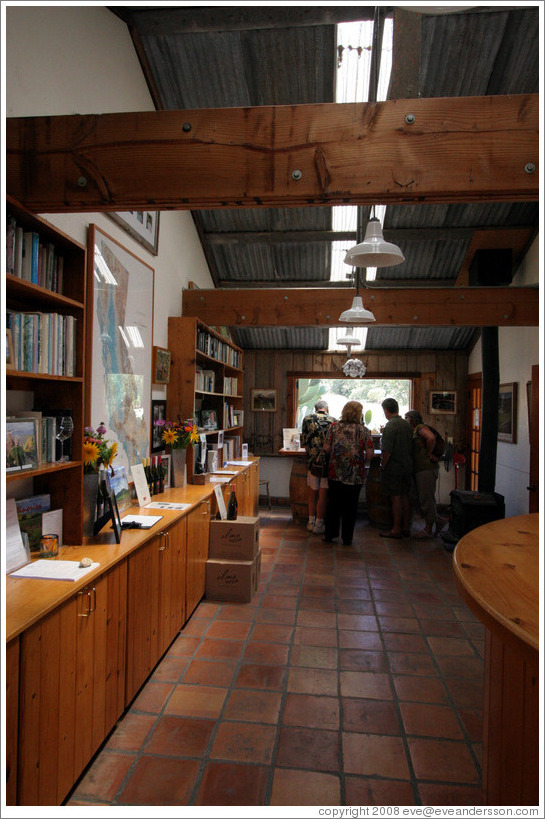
pixel 519 349
pixel 81 60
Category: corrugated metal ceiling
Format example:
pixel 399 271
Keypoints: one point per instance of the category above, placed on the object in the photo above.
pixel 292 59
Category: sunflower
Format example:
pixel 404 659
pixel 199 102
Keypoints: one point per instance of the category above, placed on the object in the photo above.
pixel 169 437
pixel 90 453
pixel 194 435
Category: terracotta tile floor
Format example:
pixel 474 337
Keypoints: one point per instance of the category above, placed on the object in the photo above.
pixel 354 677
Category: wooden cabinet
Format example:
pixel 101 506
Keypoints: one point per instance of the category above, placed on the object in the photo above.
pixel 253 489
pixel 156 602
pixel 72 668
pixel 52 392
pixel 206 377
pixel 198 527
pixel 12 719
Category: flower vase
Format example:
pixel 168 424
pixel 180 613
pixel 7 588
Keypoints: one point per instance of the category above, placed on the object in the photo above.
pixel 179 476
pixel 90 491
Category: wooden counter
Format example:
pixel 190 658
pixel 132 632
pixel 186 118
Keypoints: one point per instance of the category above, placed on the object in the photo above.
pixel 28 599
pixel 497 573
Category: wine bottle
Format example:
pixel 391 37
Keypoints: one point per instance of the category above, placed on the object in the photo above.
pixel 147 470
pixel 161 474
pixel 232 505
pixel 155 474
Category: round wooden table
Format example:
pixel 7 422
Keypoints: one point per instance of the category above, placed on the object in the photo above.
pixel 497 573
pixel 298 484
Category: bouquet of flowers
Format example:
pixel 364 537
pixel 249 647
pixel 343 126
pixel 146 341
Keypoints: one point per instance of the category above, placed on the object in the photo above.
pixel 178 434
pixel 97 450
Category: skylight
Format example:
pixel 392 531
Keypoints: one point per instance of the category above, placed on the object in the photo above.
pixel 354 42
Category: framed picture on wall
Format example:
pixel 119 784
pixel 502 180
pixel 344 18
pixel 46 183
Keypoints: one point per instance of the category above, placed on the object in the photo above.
pixel 142 225
pixel 160 367
pixel 165 466
pixel 443 403
pixel 507 413
pixel 263 400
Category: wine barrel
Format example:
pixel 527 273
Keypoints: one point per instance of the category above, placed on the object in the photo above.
pixel 298 489
pixel 379 507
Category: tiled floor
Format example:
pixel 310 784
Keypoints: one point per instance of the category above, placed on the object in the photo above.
pixel 355 677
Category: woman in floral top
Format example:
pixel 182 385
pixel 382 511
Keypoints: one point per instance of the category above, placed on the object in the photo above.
pixel 349 445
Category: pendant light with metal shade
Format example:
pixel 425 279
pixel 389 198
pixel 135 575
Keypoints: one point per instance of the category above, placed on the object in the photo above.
pixel 374 251
pixel 357 314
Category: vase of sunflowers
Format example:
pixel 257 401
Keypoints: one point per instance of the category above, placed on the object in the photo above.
pixel 98 453
pixel 177 436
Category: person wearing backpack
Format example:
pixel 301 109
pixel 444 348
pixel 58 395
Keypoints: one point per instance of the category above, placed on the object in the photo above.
pixel 315 426
pixel 428 446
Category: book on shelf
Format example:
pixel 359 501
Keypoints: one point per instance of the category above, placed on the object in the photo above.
pixel 238 418
pixel 31 258
pixel 43 342
pixel 29 514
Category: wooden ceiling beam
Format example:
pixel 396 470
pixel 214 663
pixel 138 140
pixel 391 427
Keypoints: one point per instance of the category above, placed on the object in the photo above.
pixel 434 307
pixel 463 149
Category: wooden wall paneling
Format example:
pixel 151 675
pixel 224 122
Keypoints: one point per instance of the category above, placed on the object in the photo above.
pixel 530 717
pixel 12 718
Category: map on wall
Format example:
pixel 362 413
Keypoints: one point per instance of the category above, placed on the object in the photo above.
pixel 122 347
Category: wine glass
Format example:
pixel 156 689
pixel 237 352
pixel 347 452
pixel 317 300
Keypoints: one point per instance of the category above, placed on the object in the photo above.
pixel 65 428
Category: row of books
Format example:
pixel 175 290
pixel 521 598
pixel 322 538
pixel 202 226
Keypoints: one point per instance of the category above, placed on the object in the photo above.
pixel 213 347
pixel 205 380
pixel 230 385
pixel 228 415
pixel 43 342
pixel 36 518
pixel 31 440
pixel 231 447
pixel 30 259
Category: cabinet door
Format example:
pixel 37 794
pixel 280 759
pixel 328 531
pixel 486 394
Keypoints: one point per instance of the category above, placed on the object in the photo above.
pixel 12 719
pixel 172 583
pixel 142 613
pixel 69 688
pixel 198 528
pixel 253 473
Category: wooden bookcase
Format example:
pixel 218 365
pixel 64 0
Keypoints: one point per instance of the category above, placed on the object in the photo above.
pixel 64 481
pixel 188 338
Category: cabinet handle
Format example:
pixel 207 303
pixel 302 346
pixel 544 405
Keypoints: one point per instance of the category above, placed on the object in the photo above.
pixel 165 535
pixel 87 594
pixel 206 508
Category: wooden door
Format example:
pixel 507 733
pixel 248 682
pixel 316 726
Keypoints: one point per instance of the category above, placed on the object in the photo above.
pixel 142 614
pixel 474 416
pixel 12 719
pixel 69 689
pixel 198 527
pixel 172 583
pixel 533 486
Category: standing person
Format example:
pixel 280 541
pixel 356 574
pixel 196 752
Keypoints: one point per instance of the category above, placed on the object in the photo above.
pixel 397 467
pixel 349 445
pixel 315 426
pixel 425 473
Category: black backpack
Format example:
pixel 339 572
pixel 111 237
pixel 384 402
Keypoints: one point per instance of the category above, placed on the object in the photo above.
pixel 440 445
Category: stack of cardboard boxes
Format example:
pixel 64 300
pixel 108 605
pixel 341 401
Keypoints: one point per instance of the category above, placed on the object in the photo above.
pixel 234 563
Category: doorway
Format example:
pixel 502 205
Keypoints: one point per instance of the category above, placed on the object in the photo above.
pixel 474 414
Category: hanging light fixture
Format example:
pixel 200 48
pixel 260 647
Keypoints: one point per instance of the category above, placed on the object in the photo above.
pixel 374 251
pixel 349 341
pixel 357 314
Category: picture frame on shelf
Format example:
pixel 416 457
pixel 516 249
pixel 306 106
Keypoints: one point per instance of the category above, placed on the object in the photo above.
pixel 158 413
pixel 119 355
pixel 209 420
pixel 443 402
pixel 21 444
pixel 120 487
pixel 161 365
pixel 507 413
pixel 10 358
pixel 165 465
pixel 263 400
pixel 142 225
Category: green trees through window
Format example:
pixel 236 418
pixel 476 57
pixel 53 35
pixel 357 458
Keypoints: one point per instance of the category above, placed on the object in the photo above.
pixel 337 391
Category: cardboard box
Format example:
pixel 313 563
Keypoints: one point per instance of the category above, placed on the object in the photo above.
pixel 234 539
pixel 233 581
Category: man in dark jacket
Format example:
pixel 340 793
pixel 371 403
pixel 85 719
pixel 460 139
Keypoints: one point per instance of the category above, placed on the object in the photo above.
pixel 315 426
pixel 425 473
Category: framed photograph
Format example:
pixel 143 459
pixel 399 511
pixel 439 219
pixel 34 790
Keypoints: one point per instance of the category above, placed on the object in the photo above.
pixel 161 365
pixel 142 225
pixel 263 400
pixel 21 446
pixel 158 413
pixel 10 360
pixel 120 487
pixel 443 403
pixel 119 335
pixel 165 465
pixel 507 413
pixel 111 513
pixel 209 419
